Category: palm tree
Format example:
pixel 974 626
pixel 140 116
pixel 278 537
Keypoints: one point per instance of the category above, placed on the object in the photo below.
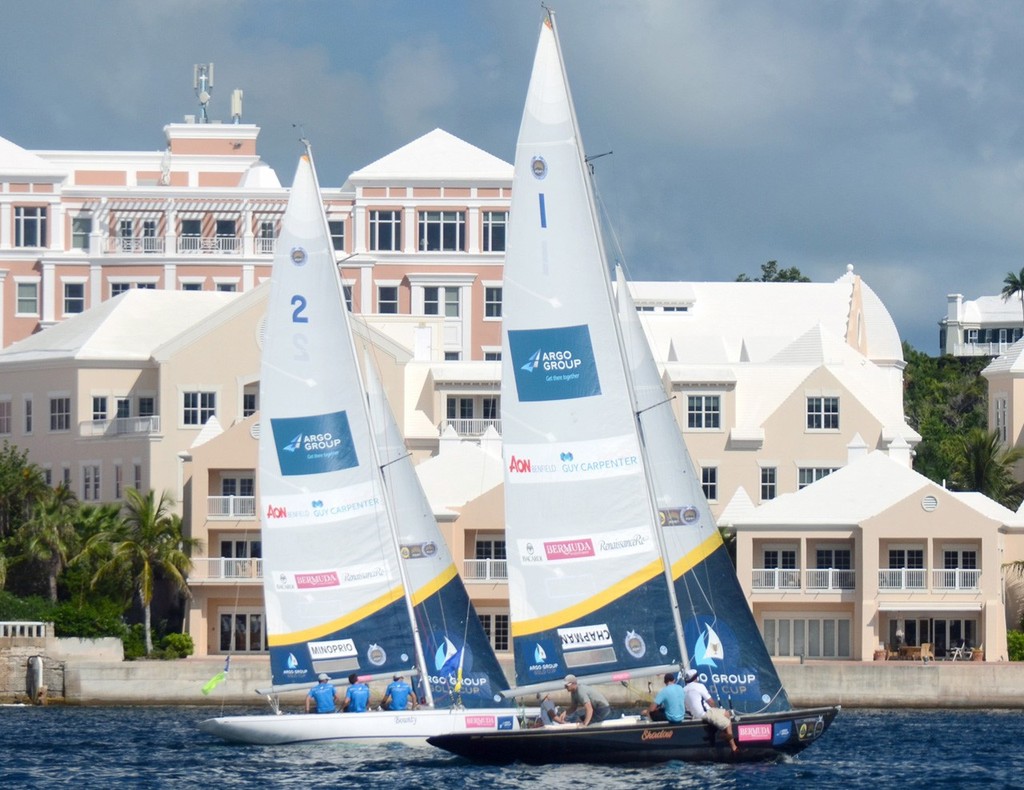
pixel 1013 285
pixel 984 464
pixel 49 536
pixel 147 540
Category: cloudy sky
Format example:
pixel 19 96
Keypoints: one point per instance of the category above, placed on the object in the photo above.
pixel 883 134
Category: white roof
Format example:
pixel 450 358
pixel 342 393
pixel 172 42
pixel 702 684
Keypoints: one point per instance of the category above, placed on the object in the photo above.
pixel 858 491
pixel 16 161
pixel 458 474
pixel 260 175
pixel 130 326
pixel 991 308
pixel 1010 361
pixel 436 156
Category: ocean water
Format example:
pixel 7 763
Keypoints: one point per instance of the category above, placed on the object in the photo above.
pixel 162 748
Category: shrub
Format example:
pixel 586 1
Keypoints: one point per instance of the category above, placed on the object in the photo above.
pixel 134 642
pixel 1015 645
pixel 88 620
pixel 177 646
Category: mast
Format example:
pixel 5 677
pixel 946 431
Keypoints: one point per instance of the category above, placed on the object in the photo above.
pixel 421 663
pixel 638 427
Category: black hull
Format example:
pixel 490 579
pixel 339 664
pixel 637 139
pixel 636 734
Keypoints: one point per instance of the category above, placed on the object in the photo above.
pixel 761 737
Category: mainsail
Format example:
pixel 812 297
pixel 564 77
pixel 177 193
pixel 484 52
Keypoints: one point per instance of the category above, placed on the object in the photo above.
pixel 616 564
pixel 357 577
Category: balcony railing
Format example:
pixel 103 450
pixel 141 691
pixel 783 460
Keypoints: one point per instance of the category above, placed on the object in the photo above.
pixel 265 246
pixel 901 579
pixel 956 579
pixel 225 569
pixel 994 349
pixel 831 579
pixel 196 245
pixel 136 244
pixel 121 426
pixel 776 579
pixel 231 507
pixel 485 570
pixel 470 427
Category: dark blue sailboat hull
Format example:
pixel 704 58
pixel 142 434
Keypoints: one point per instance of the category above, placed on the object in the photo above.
pixel 761 737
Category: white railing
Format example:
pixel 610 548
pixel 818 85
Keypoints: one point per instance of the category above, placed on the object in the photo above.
pixel 830 579
pixel 980 349
pixel 137 244
pixel 120 426
pixel 470 427
pixel 901 579
pixel 231 507
pixel 209 244
pixel 776 579
pixel 956 579
pixel 265 246
pixel 22 629
pixel 225 569
pixel 485 570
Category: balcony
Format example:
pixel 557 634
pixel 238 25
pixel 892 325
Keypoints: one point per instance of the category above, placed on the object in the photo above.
pixel 831 579
pixel 231 507
pixel 225 569
pixel 965 579
pixel 776 579
pixel 485 570
pixel 470 427
pixel 902 579
pixel 209 245
pixel 265 246
pixel 136 244
pixel 121 426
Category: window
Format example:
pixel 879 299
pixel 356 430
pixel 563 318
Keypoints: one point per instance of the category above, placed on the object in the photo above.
pixel 99 407
pixel 703 412
pixel 460 408
pixel 807 475
pixel 227 287
pixel 248 403
pixel 118 481
pixel 5 417
pixel 442 231
pixel 709 482
pixel 137 477
pixel 191 286
pixel 494 230
pixel 385 231
pixel 496 628
pixel 74 298
pixel 28 299
pixel 198 407
pixel 60 414
pixel 492 302
pixel 784 559
pixel 387 299
pixel 833 558
pixel 91 482
pixel 123 407
pixel 452 356
pixel 192 228
pixel 66 476
pixel 492 356
pixel 48 476
pixel 225 228
pixel 29 226
pixel 769 483
pixel 28 415
pixel 81 227
pixel 337 228
pixel 149 240
pixel 125 230
pixel 809 636
pixel 490 408
pixel 242 631
pixel 999 409
pixel 119 288
pixel 435 296
pixel 147 406
pixel 822 414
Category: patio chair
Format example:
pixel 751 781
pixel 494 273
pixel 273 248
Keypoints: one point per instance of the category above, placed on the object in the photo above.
pixel 959 652
pixel 927 652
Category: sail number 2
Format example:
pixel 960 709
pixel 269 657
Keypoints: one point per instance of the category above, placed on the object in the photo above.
pixel 299 340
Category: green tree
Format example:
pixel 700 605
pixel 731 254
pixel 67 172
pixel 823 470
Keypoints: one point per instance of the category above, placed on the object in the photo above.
pixel 146 541
pixel 771 273
pixel 1013 285
pixel 985 464
pixel 21 483
pixel 49 536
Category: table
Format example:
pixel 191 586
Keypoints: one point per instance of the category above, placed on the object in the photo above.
pixel 910 652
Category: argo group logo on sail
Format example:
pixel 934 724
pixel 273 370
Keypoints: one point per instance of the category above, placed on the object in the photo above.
pixel 314 444
pixel 554 364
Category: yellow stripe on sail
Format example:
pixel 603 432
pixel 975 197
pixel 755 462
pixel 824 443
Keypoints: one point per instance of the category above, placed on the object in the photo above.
pixel 630 583
pixel 392 595
pixel 435 584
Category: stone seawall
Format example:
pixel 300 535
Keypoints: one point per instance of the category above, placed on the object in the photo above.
pixel 940 684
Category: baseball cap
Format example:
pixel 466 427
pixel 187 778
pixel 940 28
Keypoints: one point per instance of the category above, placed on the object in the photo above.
pixel 691 674
pixel 570 679
pixel 397 677
pixel 323 676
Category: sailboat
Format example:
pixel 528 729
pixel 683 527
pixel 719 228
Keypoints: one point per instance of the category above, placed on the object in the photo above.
pixel 358 579
pixel 617 571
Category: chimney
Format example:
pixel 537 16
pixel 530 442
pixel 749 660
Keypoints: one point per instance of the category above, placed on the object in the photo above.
pixel 899 451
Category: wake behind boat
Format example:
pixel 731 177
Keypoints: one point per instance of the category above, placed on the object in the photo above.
pixel 358 579
pixel 617 570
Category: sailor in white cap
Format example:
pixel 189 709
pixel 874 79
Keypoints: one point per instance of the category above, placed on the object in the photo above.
pixel 700 705
pixel 325 695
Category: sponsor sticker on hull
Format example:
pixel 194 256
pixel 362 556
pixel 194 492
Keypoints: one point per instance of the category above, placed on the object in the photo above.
pixel 314 444
pixel 754 732
pixel 554 364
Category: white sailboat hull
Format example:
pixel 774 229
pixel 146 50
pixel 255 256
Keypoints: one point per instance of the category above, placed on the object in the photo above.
pixel 373 727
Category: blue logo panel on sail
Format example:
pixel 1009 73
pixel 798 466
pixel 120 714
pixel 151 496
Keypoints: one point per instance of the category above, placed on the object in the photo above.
pixel 315 444
pixel 554 364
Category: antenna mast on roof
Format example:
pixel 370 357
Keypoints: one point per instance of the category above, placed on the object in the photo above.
pixel 202 82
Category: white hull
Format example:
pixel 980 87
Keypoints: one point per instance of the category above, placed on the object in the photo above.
pixel 410 727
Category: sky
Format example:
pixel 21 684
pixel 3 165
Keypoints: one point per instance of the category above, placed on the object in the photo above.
pixel 886 134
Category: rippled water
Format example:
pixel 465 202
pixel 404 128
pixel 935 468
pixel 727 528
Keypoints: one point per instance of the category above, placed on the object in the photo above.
pixel 161 748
